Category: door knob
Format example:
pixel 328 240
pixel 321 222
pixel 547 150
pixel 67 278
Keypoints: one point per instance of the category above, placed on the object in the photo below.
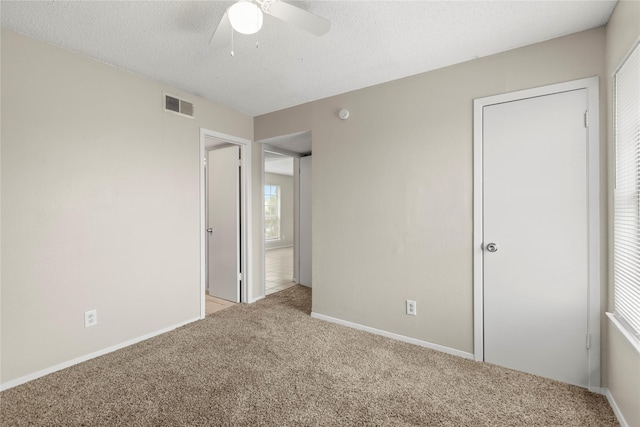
pixel 492 247
pixel 209 230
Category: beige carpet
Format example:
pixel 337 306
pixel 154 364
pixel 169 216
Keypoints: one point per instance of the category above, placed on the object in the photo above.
pixel 271 364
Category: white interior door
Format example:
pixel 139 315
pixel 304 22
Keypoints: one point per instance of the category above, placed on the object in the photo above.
pixel 305 222
pixel 223 224
pixel 535 212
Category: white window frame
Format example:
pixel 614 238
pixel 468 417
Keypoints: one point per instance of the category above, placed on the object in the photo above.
pixel 621 316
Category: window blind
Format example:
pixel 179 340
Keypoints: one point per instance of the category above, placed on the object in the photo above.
pixel 626 244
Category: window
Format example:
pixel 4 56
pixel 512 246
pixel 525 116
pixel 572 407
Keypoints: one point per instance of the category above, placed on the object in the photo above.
pixel 626 235
pixel 272 212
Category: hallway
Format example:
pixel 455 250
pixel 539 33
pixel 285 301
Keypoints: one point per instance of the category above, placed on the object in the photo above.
pixel 278 269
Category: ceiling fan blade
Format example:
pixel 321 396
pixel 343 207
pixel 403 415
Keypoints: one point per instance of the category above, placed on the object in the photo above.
pixel 222 36
pixel 302 19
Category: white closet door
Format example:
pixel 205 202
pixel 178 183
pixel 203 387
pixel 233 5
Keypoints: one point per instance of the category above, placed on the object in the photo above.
pixel 535 212
pixel 223 188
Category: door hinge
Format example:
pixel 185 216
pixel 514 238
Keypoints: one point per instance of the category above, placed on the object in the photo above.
pixel 586 119
pixel 239 162
pixel 240 276
pixel 588 341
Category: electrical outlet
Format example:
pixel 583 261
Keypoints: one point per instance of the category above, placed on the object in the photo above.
pixel 90 318
pixel 411 307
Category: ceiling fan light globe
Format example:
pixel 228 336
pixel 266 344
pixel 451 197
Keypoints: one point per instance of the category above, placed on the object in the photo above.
pixel 245 17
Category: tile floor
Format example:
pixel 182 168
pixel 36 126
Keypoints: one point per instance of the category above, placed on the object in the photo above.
pixel 278 265
pixel 213 304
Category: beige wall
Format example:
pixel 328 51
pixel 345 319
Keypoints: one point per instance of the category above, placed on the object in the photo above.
pixel 622 361
pixel 100 205
pixel 286 209
pixel 392 187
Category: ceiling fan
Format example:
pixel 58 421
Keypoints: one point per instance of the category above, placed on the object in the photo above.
pixel 245 17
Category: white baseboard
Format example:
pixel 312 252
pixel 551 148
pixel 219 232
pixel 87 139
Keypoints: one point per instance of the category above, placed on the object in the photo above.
pixel 69 363
pixel 256 299
pixel 394 336
pixel 616 409
pixel 598 390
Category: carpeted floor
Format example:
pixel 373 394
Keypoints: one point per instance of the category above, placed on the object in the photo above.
pixel 271 364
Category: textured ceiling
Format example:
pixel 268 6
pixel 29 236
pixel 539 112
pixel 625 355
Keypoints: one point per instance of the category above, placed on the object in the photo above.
pixel 369 42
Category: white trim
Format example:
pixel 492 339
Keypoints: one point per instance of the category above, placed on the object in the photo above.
pixel 296 219
pixel 296 208
pixel 263 264
pixel 279 150
pixel 593 181
pixel 394 336
pixel 258 298
pixel 246 214
pixel 598 390
pixel 77 360
pixel 616 409
pixel 632 339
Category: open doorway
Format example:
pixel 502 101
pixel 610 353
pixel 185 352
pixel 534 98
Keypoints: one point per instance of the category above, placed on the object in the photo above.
pixel 279 188
pixel 225 238
pixel 280 252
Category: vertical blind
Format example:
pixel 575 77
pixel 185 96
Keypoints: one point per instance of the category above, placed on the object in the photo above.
pixel 626 255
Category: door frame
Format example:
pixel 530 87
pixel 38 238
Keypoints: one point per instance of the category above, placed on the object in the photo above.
pixel 245 213
pixel 593 213
pixel 264 147
pixel 300 240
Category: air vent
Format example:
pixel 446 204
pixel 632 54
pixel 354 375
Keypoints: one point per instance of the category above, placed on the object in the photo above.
pixel 178 106
pixel 186 108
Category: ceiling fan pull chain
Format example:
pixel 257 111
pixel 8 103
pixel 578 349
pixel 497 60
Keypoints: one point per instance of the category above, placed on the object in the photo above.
pixel 232 53
pixel 257 32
